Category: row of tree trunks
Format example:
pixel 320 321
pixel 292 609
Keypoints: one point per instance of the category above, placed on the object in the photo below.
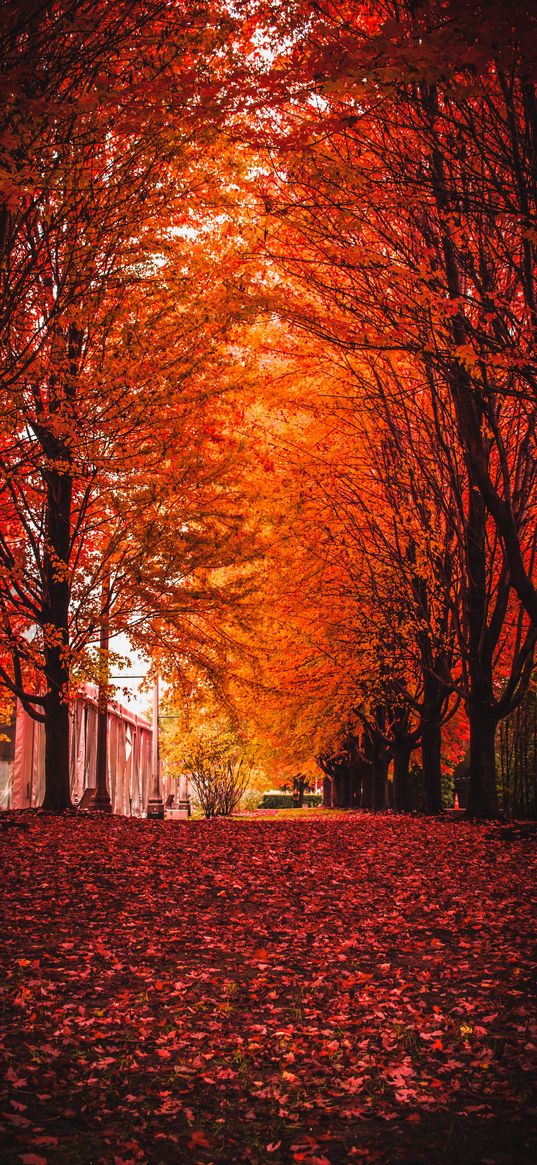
pixel 357 779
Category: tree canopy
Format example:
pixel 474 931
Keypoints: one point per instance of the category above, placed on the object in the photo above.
pixel 267 342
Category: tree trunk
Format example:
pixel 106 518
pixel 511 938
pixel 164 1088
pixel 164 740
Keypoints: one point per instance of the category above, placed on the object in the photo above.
pixel 482 796
pixel 356 783
pixel 379 765
pixel 367 786
pixel 56 440
pixel 298 791
pixel 401 767
pixel 56 631
pixel 376 771
pixel 57 785
pixel 380 776
pixel 327 792
pixel 348 786
pixel 432 772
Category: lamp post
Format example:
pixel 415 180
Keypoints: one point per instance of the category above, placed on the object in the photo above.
pixel 155 806
pixel 184 799
pixel 101 799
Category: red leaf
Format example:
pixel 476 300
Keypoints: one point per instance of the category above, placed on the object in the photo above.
pixel 198 1140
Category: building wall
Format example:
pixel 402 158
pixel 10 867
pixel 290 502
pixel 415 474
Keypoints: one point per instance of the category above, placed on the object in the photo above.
pixel 22 770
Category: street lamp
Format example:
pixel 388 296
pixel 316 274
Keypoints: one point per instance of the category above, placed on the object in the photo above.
pixel 155 806
pixel 101 799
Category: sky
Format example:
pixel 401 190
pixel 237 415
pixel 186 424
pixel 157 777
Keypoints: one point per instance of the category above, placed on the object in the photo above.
pixel 129 681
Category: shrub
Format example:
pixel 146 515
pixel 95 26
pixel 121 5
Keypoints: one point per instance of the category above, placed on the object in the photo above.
pixel 219 780
pixel 282 800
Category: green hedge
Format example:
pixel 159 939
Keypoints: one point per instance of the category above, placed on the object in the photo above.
pixel 285 800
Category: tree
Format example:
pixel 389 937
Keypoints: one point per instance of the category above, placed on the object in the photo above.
pixel 206 743
pixel 444 146
pixel 99 174
pixel 383 207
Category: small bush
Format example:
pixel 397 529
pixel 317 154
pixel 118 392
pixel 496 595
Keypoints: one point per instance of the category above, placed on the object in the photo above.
pixel 285 800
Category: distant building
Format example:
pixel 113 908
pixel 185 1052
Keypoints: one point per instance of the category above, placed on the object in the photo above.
pixel 22 756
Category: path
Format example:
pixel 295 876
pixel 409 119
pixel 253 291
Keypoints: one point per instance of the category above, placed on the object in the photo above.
pixel 332 989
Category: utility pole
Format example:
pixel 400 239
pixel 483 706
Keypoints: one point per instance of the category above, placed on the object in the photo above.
pixel 155 806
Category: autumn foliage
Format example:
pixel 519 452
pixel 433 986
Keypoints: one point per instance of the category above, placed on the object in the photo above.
pixel 268 375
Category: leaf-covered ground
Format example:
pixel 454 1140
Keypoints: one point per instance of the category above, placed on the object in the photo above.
pixel 325 989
